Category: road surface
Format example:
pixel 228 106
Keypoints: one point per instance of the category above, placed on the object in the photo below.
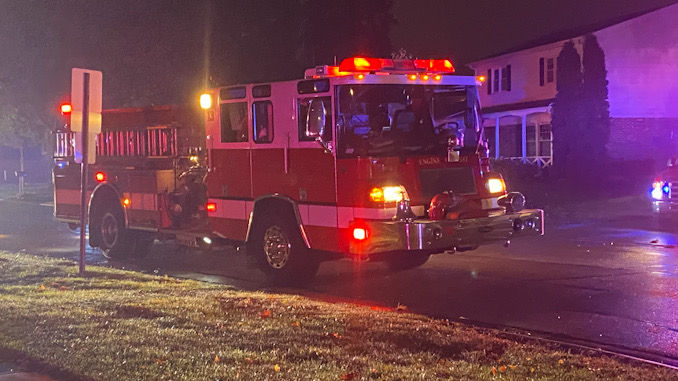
pixel 605 276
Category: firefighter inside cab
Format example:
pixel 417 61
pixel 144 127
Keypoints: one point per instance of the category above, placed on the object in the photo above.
pixel 374 159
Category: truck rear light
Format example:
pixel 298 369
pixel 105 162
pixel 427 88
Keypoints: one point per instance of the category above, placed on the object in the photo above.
pixel 360 234
pixel 211 207
pixel 100 176
pixel 66 109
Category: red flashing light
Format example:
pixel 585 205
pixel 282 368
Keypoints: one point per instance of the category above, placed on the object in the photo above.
pixel 364 64
pixel 211 207
pixel 443 66
pixel 100 176
pixel 126 201
pixel 361 64
pixel 66 109
pixel 360 234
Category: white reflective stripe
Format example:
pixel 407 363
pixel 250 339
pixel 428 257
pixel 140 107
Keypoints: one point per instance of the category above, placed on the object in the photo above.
pixel 311 215
pixel 319 215
pixel 344 216
pixel 348 214
pixel 489 203
pixel 232 209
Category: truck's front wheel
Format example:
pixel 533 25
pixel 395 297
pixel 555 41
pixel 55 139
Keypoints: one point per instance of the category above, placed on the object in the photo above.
pixel 281 253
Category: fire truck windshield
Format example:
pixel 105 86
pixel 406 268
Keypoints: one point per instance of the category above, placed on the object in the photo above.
pixel 402 120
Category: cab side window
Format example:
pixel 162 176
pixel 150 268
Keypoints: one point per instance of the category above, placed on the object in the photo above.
pixel 262 120
pixel 303 107
pixel 234 122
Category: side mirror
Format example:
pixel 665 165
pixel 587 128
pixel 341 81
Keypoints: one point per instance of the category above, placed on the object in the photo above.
pixel 315 119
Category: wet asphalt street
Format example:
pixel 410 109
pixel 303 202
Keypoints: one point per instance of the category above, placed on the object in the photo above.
pixel 606 274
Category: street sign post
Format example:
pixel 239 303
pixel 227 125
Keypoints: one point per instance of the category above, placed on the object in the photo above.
pixel 86 108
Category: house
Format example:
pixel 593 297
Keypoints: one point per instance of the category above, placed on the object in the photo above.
pixel 641 57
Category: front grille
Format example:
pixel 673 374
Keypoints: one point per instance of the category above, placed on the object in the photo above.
pixel 673 194
pixel 458 180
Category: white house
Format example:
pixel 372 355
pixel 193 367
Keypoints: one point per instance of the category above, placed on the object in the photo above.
pixel 641 57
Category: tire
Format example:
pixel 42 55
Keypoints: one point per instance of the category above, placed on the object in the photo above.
pixel 279 251
pixel 406 260
pixel 117 242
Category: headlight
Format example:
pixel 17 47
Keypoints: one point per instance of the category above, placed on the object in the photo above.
pixel 496 185
pixel 388 194
pixel 660 190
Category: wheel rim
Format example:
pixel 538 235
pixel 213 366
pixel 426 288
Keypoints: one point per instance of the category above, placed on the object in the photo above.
pixel 277 247
pixel 109 230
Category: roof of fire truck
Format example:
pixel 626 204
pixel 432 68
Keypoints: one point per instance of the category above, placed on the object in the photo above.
pixel 363 70
pixel 419 71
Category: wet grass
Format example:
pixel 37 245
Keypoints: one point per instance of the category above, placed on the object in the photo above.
pixel 116 325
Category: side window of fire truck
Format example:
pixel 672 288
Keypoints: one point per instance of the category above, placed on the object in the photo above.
pixel 303 106
pixel 234 122
pixel 262 120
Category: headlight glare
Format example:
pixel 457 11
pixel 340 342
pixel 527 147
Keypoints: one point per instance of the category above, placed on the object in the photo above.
pixel 388 194
pixel 660 190
pixel 496 185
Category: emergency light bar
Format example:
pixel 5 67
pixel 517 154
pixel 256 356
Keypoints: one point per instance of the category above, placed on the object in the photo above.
pixel 364 64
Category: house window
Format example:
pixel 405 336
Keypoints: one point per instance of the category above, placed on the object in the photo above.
pixel 547 73
pixel 545 140
pixel 499 79
pixel 538 140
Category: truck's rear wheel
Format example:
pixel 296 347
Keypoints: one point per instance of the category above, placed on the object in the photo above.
pixel 281 253
pixel 117 242
pixel 405 261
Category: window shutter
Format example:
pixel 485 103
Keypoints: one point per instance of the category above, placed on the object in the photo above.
pixel 541 72
pixel 489 81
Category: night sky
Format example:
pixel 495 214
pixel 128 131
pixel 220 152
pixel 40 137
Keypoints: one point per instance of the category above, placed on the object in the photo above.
pixel 467 30
pixel 153 51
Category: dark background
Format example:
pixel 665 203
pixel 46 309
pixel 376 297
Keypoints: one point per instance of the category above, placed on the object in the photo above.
pixel 167 51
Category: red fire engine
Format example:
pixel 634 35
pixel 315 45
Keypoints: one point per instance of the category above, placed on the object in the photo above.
pixel 374 159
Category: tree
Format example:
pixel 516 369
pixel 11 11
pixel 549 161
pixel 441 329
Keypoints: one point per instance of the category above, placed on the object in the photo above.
pixel 20 127
pixel 566 112
pixel 594 100
pixel 345 28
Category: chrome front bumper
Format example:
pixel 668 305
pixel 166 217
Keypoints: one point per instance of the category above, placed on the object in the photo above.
pixel 437 236
pixel 664 206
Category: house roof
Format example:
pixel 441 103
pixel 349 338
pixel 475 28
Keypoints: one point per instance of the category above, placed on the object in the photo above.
pixel 518 106
pixel 566 34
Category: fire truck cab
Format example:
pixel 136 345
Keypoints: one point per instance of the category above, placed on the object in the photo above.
pixel 376 158
pixel 373 159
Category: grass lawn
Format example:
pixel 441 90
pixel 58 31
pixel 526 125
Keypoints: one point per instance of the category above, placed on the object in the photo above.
pixel 34 191
pixel 119 325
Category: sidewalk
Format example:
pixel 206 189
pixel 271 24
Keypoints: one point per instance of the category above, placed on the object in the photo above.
pixel 21 376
